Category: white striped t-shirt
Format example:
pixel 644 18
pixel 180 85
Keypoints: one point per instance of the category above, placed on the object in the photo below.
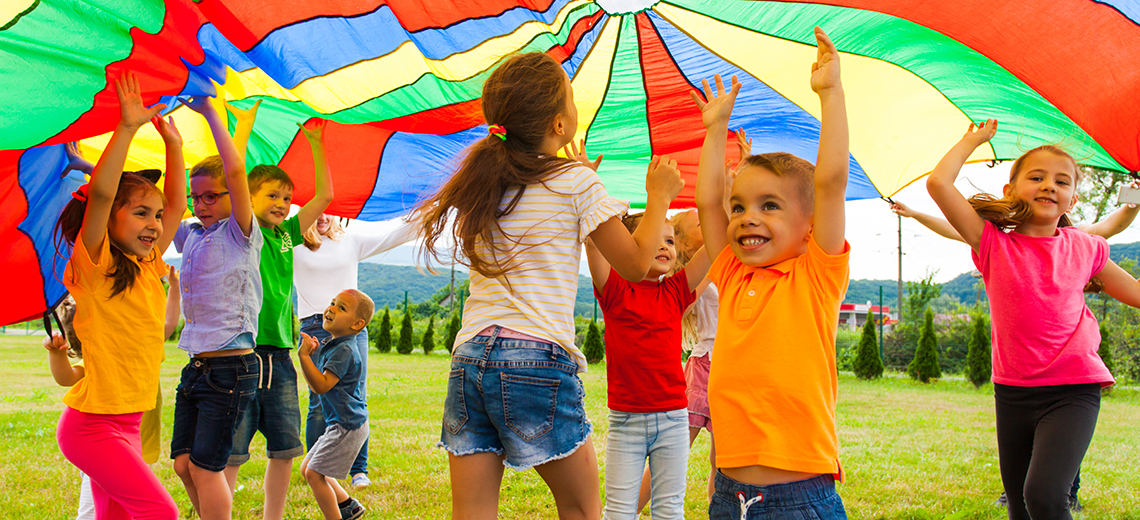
pixel 542 248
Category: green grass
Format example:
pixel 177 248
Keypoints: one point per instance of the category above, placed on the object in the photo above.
pixel 911 451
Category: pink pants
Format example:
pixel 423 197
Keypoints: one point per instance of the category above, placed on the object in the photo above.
pixel 109 450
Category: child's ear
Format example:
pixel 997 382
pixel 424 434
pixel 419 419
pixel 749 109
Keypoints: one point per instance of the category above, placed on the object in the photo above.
pixel 1005 190
pixel 359 324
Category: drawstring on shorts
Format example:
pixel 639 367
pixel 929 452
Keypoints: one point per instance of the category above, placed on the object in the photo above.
pixel 744 505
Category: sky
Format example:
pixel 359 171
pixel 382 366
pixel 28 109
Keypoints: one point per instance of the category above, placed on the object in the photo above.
pixel 872 231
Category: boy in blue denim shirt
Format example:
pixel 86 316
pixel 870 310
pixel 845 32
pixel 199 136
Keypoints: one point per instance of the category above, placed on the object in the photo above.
pixel 221 299
pixel 336 378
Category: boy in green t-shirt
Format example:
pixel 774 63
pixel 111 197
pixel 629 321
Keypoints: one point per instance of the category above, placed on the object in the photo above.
pixel 276 412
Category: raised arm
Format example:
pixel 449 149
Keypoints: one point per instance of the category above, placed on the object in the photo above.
pixel 64 373
pixel 105 177
pixel 599 267
pixel 715 113
pixel 173 302
pixel 241 206
pixel 832 162
pixel 174 188
pixel 322 180
pixel 1116 221
pixel 243 126
pixel 940 184
pixel 631 255
pixel 931 222
pixel 1119 284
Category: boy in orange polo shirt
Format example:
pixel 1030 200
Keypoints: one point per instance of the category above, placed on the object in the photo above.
pixel 780 265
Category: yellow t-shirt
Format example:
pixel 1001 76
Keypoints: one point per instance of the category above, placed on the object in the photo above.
pixel 150 428
pixel 121 336
pixel 773 383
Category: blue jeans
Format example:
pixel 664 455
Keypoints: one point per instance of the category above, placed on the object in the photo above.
pixel 663 438
pixel 813 498
pixel 315 420
pixel 210 401
pixel 275 412
pixel 516 398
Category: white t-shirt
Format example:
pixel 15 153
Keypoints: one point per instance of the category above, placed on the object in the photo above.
pixel 322 274
pixel 706 308
pixel 544 236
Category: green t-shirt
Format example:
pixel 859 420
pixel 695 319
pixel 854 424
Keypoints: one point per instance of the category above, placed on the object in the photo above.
pixel 275 323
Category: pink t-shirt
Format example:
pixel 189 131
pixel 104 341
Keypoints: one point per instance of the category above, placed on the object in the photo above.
pixel 1043 333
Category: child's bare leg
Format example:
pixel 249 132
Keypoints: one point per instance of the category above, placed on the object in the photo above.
pixel 574 483
pixel 475 481
pixel 214 499
pixel 712 465
pixel 341 494
pixel 231 477
pixel 322 491
pixel 182 469
pixel 277 474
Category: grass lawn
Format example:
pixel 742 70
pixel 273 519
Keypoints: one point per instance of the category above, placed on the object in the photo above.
pixel 910 450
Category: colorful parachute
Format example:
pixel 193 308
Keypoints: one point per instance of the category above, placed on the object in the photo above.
pixel 400 81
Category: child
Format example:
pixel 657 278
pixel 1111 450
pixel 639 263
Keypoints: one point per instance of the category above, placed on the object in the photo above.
pixel 647 401
pixel 1046 372
pixel 221 293
pixel 781 266
pixel 116 228
pixel 521 214
pixel 338 378
pixel 276 411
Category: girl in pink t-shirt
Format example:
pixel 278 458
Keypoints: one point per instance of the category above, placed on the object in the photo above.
pixel 1046 372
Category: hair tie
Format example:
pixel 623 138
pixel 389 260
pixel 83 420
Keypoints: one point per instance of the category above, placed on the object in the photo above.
pixel 497 131
pixel 80 193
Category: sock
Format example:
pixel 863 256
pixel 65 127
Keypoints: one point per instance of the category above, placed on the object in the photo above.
pixel 345 504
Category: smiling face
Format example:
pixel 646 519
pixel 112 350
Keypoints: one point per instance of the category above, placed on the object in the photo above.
pixel 341 317
pixel 271 203
pixel 666 255
pixel 323 223
pixel 768 223
pixel 136 225
pixel 208 214
pixel 1048 182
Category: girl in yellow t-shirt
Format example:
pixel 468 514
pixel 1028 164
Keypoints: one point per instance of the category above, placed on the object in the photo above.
pixel 114 230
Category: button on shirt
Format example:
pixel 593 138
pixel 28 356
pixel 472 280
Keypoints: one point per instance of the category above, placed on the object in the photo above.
pixel 344 403
pixel 220 282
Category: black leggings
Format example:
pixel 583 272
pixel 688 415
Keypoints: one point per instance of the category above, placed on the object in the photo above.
pixel 1043 433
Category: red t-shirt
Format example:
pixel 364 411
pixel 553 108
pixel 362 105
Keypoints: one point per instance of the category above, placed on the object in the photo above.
pixel 643 342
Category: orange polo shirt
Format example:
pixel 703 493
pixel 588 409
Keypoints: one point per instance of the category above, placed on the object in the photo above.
pixel 773 384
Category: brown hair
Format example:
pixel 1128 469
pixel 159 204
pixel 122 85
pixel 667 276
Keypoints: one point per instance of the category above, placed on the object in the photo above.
pixel 523 95
pixel 123 270
pixel 800 171
pixel 209 167
pixel 364 305
pixel 1009 211
pixel 264 173
pixel 313 237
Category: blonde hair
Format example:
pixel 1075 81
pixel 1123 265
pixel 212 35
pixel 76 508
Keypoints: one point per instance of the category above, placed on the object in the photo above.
pixel 313 238
pixel 1009 211
pixel 684 254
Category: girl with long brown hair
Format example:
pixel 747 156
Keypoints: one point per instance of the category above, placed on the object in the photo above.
pixel 521 215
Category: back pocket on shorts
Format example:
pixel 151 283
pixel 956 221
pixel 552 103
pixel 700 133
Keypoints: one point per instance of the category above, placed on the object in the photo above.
pixel 529 404
pixel 455 406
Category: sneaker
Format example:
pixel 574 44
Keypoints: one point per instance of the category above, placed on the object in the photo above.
pixel 352 511
pixel 1002 501
pixel 1074 504
pixel 360 480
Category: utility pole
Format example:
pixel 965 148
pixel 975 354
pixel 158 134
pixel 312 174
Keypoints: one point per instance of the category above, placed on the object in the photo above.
pixel 451 289
pixel 881 320
pixel 900 302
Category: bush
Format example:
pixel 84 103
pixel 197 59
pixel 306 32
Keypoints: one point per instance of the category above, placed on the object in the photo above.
pixel 925 367
pixel 1105 351
pixel 868 364
pixel 428 343
pixel 595 349
pixel 452 331
pixel 404 346
pixel 846 343
pixel 978 361
pixel 384 334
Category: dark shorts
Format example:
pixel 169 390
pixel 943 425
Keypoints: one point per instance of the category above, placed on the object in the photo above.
pixel 516 398
pixel 275 412
pixel 210 401
pixel 812 498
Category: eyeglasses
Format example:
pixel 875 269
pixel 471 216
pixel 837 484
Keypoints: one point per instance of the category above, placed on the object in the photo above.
pixel 209 198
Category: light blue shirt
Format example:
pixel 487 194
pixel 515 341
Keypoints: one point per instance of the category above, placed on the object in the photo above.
pixel 221 284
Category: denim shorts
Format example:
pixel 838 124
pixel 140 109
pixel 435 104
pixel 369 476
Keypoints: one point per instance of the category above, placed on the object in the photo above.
pixel 275 412
pixel 813 498
pixel 210 401
pixel 516 398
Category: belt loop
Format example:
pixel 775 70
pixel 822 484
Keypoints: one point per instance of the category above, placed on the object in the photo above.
pixel 494 335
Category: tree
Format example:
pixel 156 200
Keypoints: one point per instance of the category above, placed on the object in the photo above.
pixel 925 366
pixel 978 361
pixel 452 331
pixel 384 338
pixel 868 364
pixel 405 344
pixel 595 349
pixel 1105 351
pixel 428 343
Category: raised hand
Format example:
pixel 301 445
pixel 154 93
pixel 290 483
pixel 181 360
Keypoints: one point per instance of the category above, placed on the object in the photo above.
pixel 902 210
pixel 716 109
pixel 317 134
pixel 132 113
pixel 244 116
pixel 744 144
pixel 166 129
pixel 976 135
pixel 200 104
pixel 75 160
pixel 825 70
pixel 172 275
pixel 308 345
pixel 663 179
pixel 577 151
pixel 55 344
